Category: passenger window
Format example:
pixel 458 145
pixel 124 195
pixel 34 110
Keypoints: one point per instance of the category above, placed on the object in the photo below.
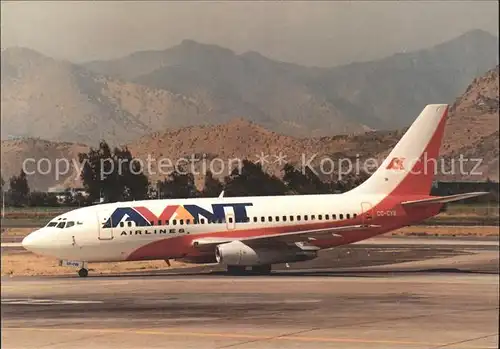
pixel 174 222
pixel 320 217
pixel 270 218
pixel 341 216
pixel 347 216
pixel 129 223
pixel 159 222
pixel 152 222
pixel 121 224
pixel 255 219
pixel 188 221
pixel 305 217
pixel 334 216
pixel 230 219
pixel 291 218
pixel 312 217
pixel 354 215
pixel 262 219
pixel 202 221
pixel 277 218
pixel 327 217
pixel 284 218
pixel 298 218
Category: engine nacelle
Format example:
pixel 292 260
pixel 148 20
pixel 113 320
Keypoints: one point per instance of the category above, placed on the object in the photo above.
pixel 238 253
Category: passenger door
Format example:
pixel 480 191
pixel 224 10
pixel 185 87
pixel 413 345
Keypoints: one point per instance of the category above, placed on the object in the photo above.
pixel 366 214
pixel 104 233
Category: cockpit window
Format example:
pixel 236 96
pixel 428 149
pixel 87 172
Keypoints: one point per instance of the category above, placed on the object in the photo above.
pixel 63 224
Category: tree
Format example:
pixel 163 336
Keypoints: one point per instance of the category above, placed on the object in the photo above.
pixel 19 190
pixel 349 182
pixel 112 175
pixel 178 185
pixel 303 183
pixel 212 187
pixel 2 182
pixel 252 181
pixel 37 198
pixel 132 178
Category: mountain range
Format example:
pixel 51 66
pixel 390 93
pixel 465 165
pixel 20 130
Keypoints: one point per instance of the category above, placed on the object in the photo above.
pixel 472 130
pixel 198 84
pixel 203 99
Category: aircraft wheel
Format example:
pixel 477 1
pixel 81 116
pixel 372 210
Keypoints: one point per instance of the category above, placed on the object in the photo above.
pixel 236 269
pixel 262 269
pixel 83 273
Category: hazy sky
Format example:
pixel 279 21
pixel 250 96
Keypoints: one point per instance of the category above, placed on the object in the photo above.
pixel 313 33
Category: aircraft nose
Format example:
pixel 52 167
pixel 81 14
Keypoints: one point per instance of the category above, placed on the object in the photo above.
pixel 32 241
pixel 28 242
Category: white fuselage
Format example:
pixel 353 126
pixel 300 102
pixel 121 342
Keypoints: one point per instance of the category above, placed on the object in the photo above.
pixel 164 229
pixel 87 240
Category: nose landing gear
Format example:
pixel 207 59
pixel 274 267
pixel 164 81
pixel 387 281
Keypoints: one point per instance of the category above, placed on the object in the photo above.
pixel 83 272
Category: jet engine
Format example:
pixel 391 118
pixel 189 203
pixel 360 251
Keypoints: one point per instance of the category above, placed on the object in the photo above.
pixel 238 253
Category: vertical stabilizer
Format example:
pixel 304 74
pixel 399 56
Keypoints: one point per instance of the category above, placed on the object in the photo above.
pixel 411 165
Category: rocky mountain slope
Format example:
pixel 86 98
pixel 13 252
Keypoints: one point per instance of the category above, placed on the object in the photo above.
pixel 296 100
pixel 197 84
pixel 55 100
pixel 472 131
pixel 47 164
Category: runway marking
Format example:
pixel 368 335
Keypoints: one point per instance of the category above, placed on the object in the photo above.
pixel 30 301
pixel 235 336
pixel 10 244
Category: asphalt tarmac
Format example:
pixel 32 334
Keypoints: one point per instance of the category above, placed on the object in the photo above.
pixel 435 296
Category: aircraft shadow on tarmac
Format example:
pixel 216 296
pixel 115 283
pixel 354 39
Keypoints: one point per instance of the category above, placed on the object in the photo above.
pixel 285 273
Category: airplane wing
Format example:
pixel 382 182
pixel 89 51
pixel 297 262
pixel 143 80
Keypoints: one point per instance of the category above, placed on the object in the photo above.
pixel 290 237
pixel 443 199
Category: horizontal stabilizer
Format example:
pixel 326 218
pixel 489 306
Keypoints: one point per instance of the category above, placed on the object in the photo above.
pixel 443 199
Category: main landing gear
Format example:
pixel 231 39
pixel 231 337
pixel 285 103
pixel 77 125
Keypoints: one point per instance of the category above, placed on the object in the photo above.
pixel 242 270
pixel 83 272
pixel 262 269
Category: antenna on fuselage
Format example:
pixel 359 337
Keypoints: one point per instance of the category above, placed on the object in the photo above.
pixel 221 195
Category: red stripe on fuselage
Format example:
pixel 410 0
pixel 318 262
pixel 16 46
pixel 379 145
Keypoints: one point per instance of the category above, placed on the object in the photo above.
pixel 181 246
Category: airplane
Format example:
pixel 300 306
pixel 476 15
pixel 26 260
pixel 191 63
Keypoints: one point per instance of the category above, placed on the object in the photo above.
pixel 254 233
